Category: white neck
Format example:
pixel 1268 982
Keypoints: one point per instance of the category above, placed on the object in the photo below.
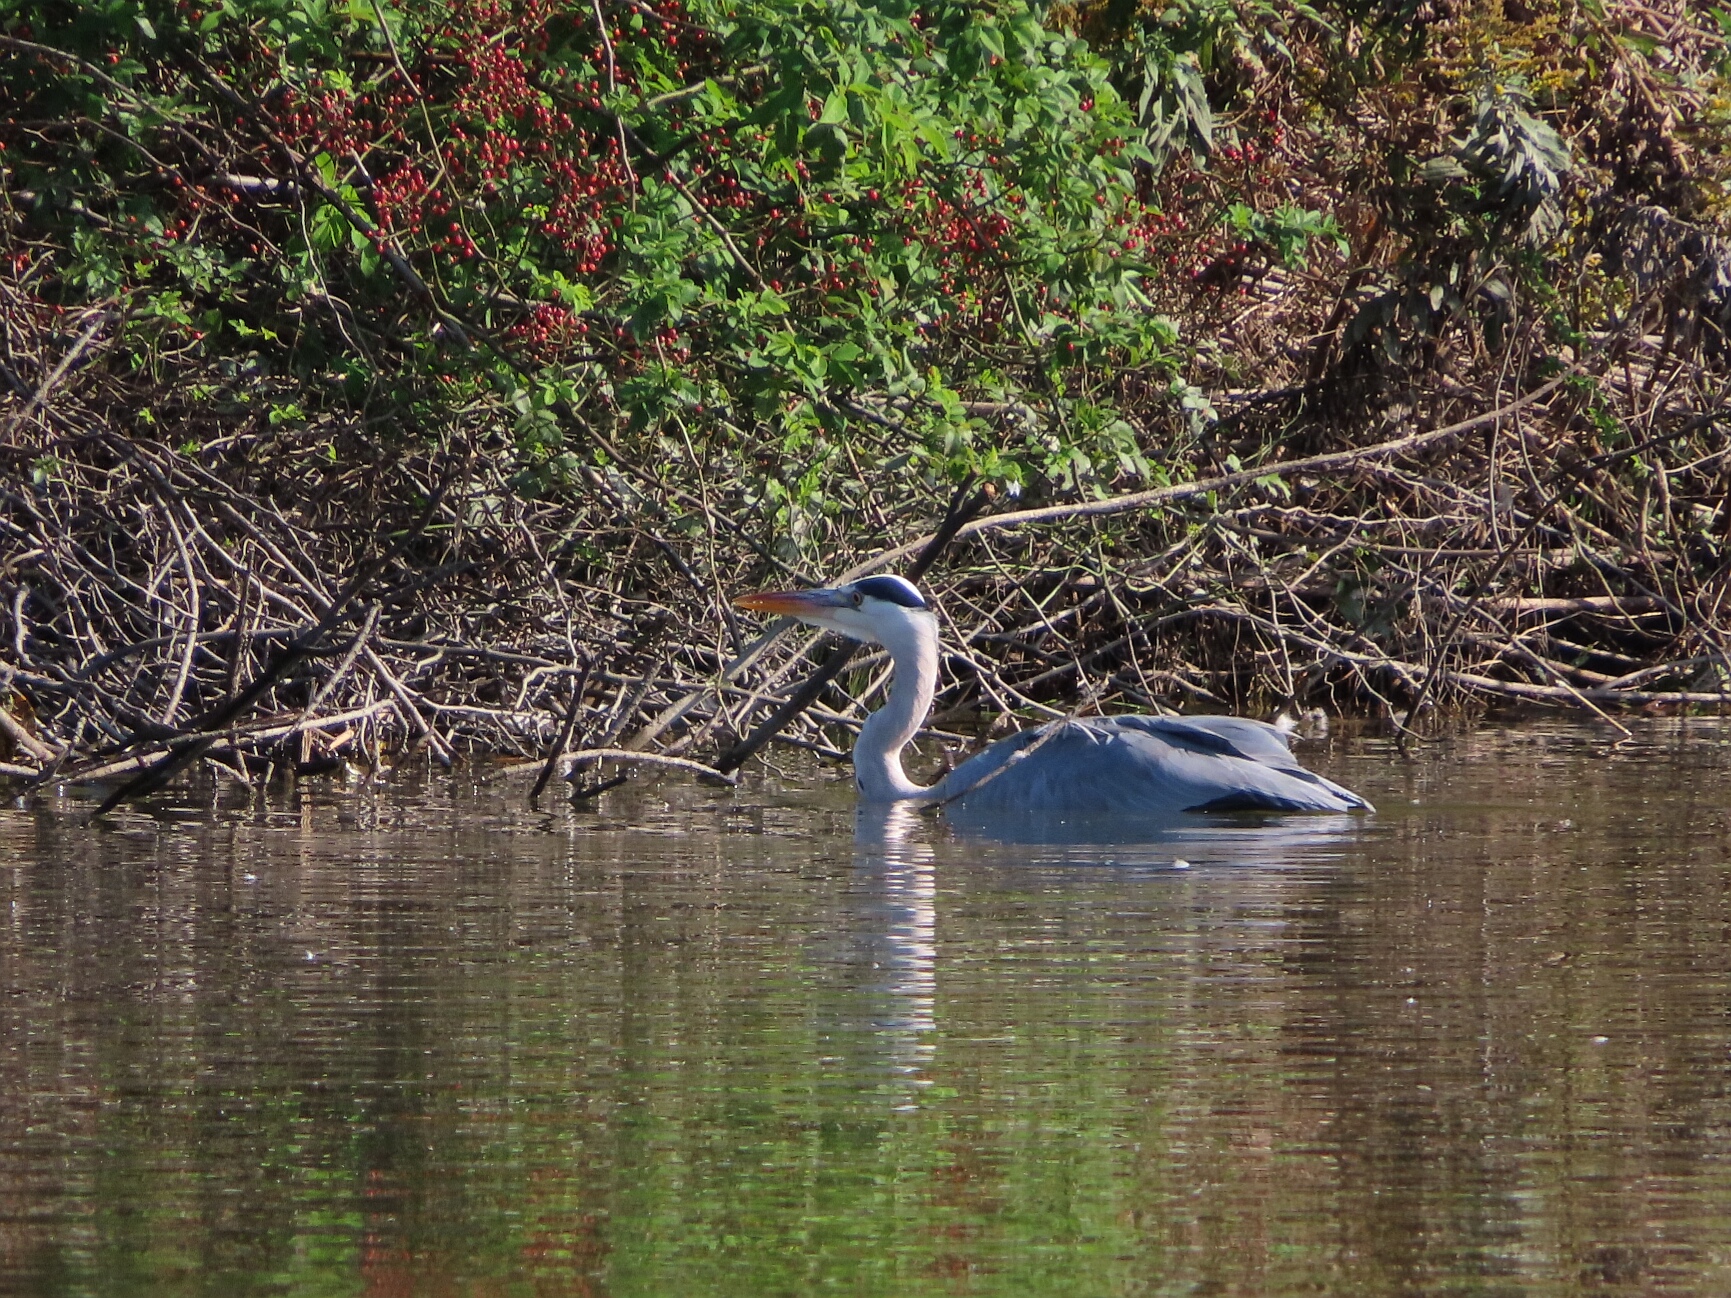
pixel 877 756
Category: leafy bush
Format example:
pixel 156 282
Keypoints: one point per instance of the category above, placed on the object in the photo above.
pixel 804 245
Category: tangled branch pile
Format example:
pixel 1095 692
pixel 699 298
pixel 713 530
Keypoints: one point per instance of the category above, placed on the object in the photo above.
pixel 433 379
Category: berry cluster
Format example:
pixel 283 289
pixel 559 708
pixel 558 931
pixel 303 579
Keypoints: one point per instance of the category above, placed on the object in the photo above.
pixel 496 90
pixel 400 199
pixel 584 190
pixel 549 328
pixel 321 119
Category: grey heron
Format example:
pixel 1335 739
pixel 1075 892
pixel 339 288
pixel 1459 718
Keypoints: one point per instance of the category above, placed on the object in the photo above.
pixel 1138 765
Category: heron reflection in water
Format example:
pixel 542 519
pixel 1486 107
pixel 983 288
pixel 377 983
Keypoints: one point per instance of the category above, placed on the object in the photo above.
pixel 1123 765
pixel 890 949
pixel 899 942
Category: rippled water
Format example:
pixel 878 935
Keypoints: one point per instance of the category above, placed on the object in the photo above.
pixel 417 1039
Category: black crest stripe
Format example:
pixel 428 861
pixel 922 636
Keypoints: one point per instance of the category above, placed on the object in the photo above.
pixel 892 590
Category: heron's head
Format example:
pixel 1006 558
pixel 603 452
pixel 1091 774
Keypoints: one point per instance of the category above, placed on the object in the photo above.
pixel 873 609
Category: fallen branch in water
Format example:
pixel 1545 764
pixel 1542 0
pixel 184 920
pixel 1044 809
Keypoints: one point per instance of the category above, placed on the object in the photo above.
pixel 650 759
pixel 245 742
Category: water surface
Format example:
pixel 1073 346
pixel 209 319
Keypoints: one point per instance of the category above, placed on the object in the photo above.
pixel 414 1038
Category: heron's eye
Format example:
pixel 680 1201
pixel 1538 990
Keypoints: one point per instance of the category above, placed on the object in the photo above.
pixel 858 599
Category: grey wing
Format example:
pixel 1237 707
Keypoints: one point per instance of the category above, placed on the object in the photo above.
pixel 1256 740
pixel 987 766
pixel 1144 765
pixel 1244 744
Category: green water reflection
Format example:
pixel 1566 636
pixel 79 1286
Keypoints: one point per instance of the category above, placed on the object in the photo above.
pixel 418 1040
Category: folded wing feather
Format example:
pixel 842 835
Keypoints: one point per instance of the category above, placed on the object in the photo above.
pixel 1140 764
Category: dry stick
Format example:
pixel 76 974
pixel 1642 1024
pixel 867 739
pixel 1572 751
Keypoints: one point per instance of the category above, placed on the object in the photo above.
pixel 40 396
pixel 23 738
pixel 201 737
pixel 745 658
pixel 565 732
pixel 228 742
pixel 672 555
pixel 348 660
pixel 194 615
pixel 407 706
pixel 336 677
pixel 1661 669
pixel 206 730
pixel 411 713
pixel 666 717
pixel 242 631
pixel 1185 490
pixel 565 410
pixel 988 677
pixel 1511 643
pixel 613 89
pixel 962 508
pixel 1446 640
pixel 1333 460
pixel 651 759
pixel 582 793
pixel 237 774
pixel 627 708
pixel 1621 601
pixel 639 692
pixel 1410 673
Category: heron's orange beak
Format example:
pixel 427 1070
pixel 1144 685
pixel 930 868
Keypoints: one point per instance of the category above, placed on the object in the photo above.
pixel 793 603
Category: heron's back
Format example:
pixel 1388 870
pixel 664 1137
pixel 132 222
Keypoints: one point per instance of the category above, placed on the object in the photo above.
pixel 1143 765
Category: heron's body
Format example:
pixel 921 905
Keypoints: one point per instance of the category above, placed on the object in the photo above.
pixel 1131 765
pixel 1142 766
